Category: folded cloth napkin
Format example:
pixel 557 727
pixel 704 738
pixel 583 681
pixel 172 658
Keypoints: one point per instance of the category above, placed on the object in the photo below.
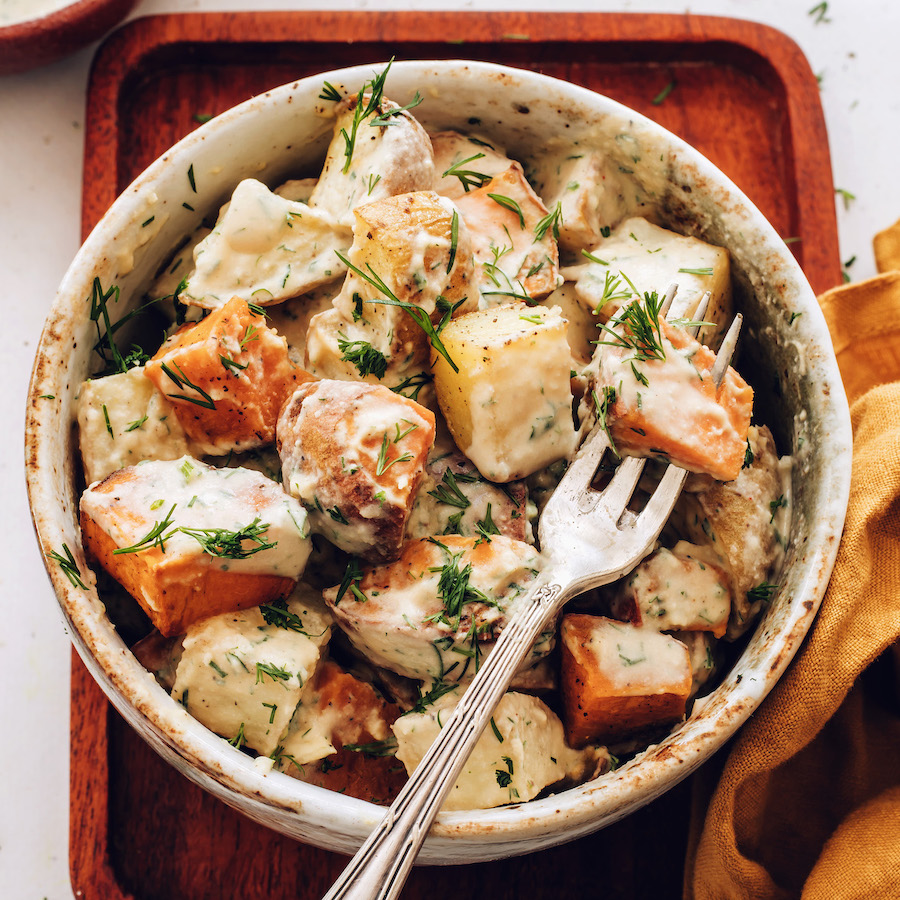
pixel 808 803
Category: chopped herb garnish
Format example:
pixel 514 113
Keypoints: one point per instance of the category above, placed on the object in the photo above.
pixel 276 673
pixel 511 205
pixel 218 669
pixel 602 407
pixel 251 333
pixel 661 96
pixel 384 463
pixel 273 707
pixel 361 111
pixel 748 455
pixel 228 544
pixel 496 730
pixel 820 13
pixel 132 426
pixel 641 330
pixel 155 537
pixel 468 177
pixel 350 582
pixel 106 419
pixel 486 526
pixel 330 92
pixel 181 380
pixel 363 355
pixel 421 318
pixel 762 592
pixel 775 505
pixel 448 490
pixel 551 221
pixel 146 222
pixel 414 382
pixel 594 259
pixel 201 118
pixel 385 747
pixel 454 240
pixel 191 180
pixel 232 365
pixel 238 740
pixel 69 567
pixel 704 271
pixel 277 613
pixel 846 196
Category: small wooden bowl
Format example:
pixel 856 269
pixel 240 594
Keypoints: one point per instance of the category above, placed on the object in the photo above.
pixel 36 42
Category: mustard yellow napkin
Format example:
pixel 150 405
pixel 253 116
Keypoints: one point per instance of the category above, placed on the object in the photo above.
pixel 808 804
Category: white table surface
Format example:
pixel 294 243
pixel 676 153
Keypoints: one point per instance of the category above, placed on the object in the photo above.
pixel 41 134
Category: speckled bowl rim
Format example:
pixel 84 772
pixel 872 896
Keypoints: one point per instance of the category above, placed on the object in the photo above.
pixel 332 820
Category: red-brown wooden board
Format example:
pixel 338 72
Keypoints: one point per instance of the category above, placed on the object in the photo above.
pixel 743 95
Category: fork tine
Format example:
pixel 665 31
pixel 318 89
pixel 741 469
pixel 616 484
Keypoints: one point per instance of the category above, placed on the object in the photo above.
pixel 671 290
pixel 726 351
pixel 618 492
pixel 699 313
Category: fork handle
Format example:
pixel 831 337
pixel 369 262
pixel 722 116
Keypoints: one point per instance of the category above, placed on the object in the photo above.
pixel 379 869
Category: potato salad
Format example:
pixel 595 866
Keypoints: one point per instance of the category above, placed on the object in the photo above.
pixel 317 498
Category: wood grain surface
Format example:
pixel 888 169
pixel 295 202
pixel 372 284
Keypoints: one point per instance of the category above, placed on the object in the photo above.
pixel 742 93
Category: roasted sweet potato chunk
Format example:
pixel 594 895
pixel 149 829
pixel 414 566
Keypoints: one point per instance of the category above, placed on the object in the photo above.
pixel 618 680
pixel 194 541
pixel 227 377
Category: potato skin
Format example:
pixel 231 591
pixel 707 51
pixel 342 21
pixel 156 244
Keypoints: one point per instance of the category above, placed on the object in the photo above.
pixel 331 435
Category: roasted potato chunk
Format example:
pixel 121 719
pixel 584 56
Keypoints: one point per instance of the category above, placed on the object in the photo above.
pixel 354 455
pixel 742 521
pixel 512 238
pixel 265 249
pixel 462 163
pixel 340 738
pixel 438 609
pixel 409 249
pixel 513 761
pixel 384 160
pixel 123 419
pixel 241 674
pixel 590 192
pixel 618 680
pixel 509 423
pixel 678 589
pixel 227 377
pixel 189 541
pixel 454 499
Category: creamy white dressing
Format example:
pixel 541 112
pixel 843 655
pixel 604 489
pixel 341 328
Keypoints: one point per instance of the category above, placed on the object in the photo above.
pixel 637 660
pixel 398 625
pixel 241 676
pixel 672 590
pixel 265 248
pixel 531 755
pixel 122 420
pixel 202 497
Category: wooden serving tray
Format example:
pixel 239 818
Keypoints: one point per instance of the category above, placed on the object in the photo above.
pixel 743 95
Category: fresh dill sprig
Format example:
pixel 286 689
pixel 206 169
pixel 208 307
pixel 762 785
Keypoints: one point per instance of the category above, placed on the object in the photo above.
pixel 69 567
pixel 229 544
pixel 469 178
pixel 551 221
pixel 181 380
pixel 363 355
pixel 448 490
pixel 511 205
pixel 421 318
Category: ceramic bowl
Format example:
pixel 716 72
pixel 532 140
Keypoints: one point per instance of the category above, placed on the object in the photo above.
pixel 278 134
pixel 45 37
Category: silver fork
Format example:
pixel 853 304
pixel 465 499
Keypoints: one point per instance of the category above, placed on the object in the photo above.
pixel 602 542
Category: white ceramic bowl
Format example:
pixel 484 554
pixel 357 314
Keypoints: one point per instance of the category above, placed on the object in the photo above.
pixel 277 134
